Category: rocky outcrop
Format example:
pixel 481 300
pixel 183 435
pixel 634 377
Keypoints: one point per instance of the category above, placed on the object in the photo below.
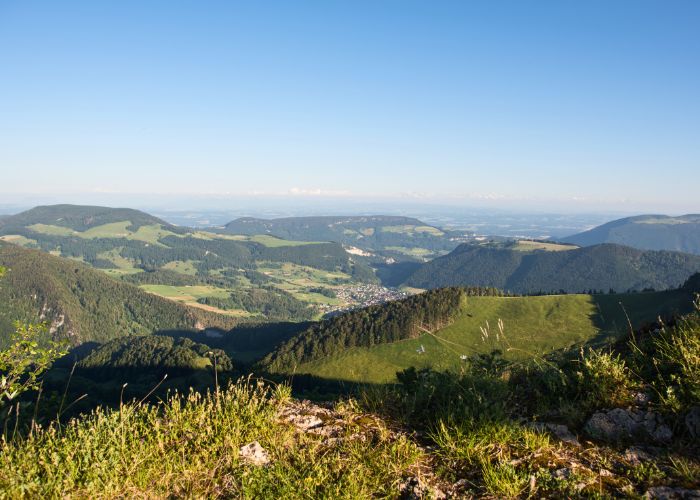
pixel 669 493
pixel 692 422
pixel 561 432
pixel 624 426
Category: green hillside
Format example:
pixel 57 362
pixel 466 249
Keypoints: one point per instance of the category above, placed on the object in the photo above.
pixel 600 267
pixel 399 236
pixel 191 266
pixel 532 326
pixel 82 304
pixel 647 232
pixel 79 217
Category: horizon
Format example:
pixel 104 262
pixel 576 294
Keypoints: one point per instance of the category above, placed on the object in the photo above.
pixel 558 108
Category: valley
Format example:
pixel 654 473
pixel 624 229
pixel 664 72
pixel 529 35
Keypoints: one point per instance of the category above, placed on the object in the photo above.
pixel 418 324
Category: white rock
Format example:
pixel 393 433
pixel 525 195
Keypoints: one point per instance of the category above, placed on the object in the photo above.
pixel 254 454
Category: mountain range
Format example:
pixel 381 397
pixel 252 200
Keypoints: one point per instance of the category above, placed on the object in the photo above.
pixel 646 232
pixel 575 270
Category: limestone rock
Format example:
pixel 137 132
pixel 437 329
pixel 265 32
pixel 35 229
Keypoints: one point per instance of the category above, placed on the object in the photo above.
pixel 254 454
pixel 669 493
pixel 620 425
pixel 561 432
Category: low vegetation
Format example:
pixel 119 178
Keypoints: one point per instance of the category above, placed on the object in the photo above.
pixel 190 446
pixel 484 425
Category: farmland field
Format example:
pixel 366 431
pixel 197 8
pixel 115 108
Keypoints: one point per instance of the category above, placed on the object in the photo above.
pixel 297 280
pixel 182 267
pixel 528 245
pixel 148 234
pixel 406 229
pixel 18 240
pixel 189 295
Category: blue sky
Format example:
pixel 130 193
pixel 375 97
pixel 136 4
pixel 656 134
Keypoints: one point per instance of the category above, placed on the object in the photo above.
pixel 562 104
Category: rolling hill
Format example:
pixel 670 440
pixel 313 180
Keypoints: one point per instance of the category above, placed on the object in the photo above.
pixel 646 232
pixel 532 326
pixel 191 266
pixel 599 267
pixel 371 233
pixel 79 218
pixel 82 304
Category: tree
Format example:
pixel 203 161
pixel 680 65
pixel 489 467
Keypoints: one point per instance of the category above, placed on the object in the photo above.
pixel 23 362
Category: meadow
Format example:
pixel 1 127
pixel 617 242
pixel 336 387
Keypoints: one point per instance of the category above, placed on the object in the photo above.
pixel 532 327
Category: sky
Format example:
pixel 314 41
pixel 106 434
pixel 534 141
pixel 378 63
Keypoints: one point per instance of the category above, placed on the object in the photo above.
pixel 565 105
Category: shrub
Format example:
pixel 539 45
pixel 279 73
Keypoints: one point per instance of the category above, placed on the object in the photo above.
pixel 25 360
pixel 677 363
pixel 604 379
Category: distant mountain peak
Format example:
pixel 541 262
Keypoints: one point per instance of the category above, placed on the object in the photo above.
pixel 647 232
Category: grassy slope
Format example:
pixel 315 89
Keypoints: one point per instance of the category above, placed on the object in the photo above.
pixel 189 448
pixel 532 325
pixel 150 233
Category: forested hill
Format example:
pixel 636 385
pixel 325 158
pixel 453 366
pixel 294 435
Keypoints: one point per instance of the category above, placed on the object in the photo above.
pixel 368 232
pixel 79 217
pixel 646 232
pixel 600 267
pixel 83 304
pixel 381 324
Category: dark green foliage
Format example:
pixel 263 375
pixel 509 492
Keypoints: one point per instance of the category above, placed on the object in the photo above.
pixel 600 267
pixel 132 355
pixel 426 396
pixel 83 304
pixel 326 292
pixel 162 277
pixel 646 232
pixel 390 322
pixel 693 284
pixel 79 217
pixel 274 304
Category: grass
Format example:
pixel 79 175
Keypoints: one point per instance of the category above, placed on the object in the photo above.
pixel 274 242
pixel 186 293
pixel 480 422
pixel 534 326
pixel 414 252
pixel 151 233
pixel 189 294
pixel 121 264
pixel 530 245
pixel 408 229
pixel 182 267
pixel 52 230
pixel 263 239
pixel 189 447
pixel 297 280
pixel 18 239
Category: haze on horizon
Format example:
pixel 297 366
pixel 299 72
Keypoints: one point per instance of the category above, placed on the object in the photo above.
pixel 571 106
